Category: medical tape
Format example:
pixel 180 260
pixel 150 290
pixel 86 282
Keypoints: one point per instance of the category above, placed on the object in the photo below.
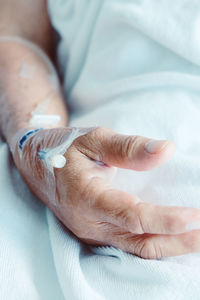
pixel 54 157
pixel 50 157
pixel 24 139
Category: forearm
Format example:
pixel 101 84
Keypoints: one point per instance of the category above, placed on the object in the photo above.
pixel 28 83
pixel 28 87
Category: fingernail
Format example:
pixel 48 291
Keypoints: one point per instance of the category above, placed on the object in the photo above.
pixel 193 226
pixel 155 146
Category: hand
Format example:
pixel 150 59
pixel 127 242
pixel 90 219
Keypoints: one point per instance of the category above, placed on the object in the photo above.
pixel 96 212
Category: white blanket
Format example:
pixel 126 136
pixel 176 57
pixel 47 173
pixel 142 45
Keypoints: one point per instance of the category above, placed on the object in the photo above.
pixel 135 66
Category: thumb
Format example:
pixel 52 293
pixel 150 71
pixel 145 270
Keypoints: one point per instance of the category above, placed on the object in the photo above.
pixel 129 152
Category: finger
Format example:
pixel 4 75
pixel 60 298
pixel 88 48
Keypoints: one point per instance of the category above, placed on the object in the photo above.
pixel 124 151
pixel 157 246
pixel 123 209
pixel 128 212
pixel 149 246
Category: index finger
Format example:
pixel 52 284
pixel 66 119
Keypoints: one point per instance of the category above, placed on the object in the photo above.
pixel 129 212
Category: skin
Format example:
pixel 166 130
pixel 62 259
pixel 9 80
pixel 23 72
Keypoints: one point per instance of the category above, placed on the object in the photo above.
pixel 86 202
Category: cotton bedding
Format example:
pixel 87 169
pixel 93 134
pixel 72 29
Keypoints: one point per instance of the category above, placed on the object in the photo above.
pixel 133 66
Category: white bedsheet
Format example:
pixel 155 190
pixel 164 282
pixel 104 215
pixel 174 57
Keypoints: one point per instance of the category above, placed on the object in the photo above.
pixel 40 259
pixel 132 66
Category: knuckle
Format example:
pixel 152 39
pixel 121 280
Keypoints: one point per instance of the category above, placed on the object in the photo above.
pixel 90 144
pixel 149 250
pixel 129 221
pixel 143 225
pixel 98 132
pixel 124 217
pixel 130 144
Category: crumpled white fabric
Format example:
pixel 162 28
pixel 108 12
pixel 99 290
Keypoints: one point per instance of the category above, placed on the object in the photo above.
pixel 133 66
